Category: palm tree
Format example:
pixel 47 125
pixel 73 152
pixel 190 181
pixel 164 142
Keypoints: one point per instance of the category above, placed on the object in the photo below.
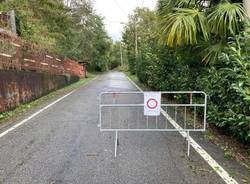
pixel 201 23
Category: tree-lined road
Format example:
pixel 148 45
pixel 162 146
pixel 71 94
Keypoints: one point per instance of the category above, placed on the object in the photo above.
pixel 63 144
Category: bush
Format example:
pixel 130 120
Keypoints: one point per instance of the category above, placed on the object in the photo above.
pixel 227 83
pixel 226 78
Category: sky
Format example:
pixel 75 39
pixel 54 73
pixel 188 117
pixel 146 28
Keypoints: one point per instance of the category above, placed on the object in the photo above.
pixel 116 12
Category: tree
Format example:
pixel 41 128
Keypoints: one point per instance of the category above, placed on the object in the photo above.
pixel 141 40
pixel 196 23
pixel 91 40
pixel 115 55
pixel 74 31
pixel 190 31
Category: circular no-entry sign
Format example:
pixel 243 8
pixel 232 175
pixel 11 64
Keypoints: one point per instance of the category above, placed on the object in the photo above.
pixel 152 103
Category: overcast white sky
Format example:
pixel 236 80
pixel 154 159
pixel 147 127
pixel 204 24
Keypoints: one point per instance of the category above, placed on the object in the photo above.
pixel 117 11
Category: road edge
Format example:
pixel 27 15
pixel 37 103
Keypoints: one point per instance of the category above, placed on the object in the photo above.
pixel 211 162
pixel 16 125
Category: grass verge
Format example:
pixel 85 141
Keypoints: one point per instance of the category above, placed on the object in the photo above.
pixel 24 108
pixel 134 78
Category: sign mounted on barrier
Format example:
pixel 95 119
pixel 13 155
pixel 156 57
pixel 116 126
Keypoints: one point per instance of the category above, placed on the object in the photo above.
pixel 152 104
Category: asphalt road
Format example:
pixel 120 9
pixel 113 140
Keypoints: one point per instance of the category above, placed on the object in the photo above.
pixel 64 145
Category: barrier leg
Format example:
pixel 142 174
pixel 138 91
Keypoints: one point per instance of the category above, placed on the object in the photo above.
pixel 116 142
pixel 188 140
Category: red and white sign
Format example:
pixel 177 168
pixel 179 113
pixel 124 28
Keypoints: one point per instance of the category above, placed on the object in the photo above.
pixel 152 103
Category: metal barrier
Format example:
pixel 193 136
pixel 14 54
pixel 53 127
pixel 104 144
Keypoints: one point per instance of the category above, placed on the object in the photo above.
pixel 124 111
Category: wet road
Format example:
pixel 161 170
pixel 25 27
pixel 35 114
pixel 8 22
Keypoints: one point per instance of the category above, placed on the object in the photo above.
pixel 64 145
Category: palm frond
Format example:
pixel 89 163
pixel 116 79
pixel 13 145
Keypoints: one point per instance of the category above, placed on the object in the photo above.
pixel 183 26
pixel 165 6
pixel 226 19
pixel 211 52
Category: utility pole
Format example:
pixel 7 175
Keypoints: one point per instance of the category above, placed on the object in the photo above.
pixel 136 46
pixel 136 41
pixel 136 38
pixel 121 53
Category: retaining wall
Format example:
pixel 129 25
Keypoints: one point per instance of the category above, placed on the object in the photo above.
pixel 18 87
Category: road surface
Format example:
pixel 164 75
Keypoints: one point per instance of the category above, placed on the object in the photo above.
pixel 64 145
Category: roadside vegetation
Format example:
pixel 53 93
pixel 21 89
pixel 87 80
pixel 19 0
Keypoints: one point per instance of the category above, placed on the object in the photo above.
pixel 72 30
pixel 192 45
pixel 68 29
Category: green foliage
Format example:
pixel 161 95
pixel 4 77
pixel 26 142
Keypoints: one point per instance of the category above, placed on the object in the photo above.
pixel 183 26
pixel 141 31
pixel 115 55
pixel 35 20
pixel 192 23
pixel 124 68
pixel 224 20
pixel 76 32
pixel 226 79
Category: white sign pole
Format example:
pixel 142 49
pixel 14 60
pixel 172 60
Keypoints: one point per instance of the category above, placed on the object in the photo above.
pixel 152 103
